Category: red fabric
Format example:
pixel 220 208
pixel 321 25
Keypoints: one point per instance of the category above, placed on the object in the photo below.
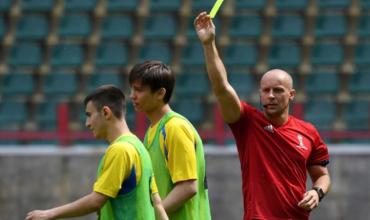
pixel 274 162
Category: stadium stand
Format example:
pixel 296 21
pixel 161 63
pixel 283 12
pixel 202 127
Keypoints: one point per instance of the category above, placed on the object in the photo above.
pixel 55 52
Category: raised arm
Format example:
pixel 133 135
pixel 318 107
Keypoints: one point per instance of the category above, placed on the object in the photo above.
pixel 225 93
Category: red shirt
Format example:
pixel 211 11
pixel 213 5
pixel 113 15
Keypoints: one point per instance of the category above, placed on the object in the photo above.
pixel 274 162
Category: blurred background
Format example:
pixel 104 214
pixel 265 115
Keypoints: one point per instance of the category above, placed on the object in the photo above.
pixel 54 52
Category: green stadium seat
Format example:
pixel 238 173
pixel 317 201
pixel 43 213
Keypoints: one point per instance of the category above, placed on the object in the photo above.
pixel 46 115
pixel 160 27
pixel 5 5
pixel 32 27
pixel 357 115
pixel 156 51
pixel 359 82
pixel 331 26
pixel 362 54
pixel 193 55
pixel 37 5
pixel 205 5
pixel 12 114
pixel 288 26
pixel 165 5
pixel 52 85
pixel 190 84
pixel 327 54
pixel 67 55
pixel 363 28
pixel 291 4
pixel 2 27
pixel 113 54
pixel 17 84
pixel 320 113
pixel 117 27
pixel 322 83
pixel 247 4
pixel 240 55
pixel 365 4
pixel 122 5
pixel 74 25
pixel 102 78
pixel 80 5
pixel 191 108
pixel 245 26
pixel 334 3
pixel 284 54
pixel 25 54
pixel 130 116
pixel 242 83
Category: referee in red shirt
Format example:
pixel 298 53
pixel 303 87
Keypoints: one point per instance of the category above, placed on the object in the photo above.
pixel 275 149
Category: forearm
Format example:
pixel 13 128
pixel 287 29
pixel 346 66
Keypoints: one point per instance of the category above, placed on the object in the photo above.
pixel 158 207
pixel 180 194
pixel 323 182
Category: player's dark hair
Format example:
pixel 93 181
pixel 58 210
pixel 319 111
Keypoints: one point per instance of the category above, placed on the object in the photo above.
pixel 154 74
pixel 110 96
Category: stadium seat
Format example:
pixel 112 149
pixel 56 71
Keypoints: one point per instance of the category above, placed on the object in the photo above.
pixel 359 82
pixel 102 78
pixel 46 115
pixel 113 54
pixel 80 5
pixel 17 84
pixel 284 54
pixel 2 27
pixel 12 114
pixel 205 5
pixel 291 4
pixel 365 4
pixel 32 27
pixel 156 51
pixel 38 5
pixel 74 25
pixel 327 54
pixel 67 55
pixel 192 84
pixel 288 26
pixel 122 5
pixel 357 115
pixel 245 26
pixel 242 83
pixel 362 54
pixel 330 26
pixel 247 4
pixel 165 5
pixel 117 27
pixel 25 54
pixel 320 113
pixel 324 4
pixel 130 116
pixel 192 55
pixel 52 85
pixel 240 55
pixel 160 27
pixel 322 83
pixel 5 5
pixel 191 108
pixel 363 27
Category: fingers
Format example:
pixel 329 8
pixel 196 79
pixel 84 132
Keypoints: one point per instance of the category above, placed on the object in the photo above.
pixel 202 20
pixel 309 201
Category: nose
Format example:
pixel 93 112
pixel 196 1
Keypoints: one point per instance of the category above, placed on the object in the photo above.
pixel 271 94
pixel 132 95
pixel 87 123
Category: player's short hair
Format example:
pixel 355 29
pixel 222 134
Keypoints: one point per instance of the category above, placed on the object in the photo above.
pixel 110 96
pixel 154 74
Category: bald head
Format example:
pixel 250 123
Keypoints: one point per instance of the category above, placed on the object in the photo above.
pixel 277 76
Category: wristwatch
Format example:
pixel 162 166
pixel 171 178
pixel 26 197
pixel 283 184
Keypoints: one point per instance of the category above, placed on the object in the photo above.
pixel 320 192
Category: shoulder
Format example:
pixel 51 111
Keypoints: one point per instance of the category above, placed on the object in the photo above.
pixel 176 123
pixel 120 148
pixel 304 125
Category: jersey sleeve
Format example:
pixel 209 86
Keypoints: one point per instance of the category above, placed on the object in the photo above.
pixel 116 167
pixel 153 186
pixel 319 154
pixel 180 143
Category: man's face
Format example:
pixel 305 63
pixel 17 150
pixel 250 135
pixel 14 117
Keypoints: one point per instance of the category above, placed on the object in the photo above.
pixel 95 121
pixel 275 96
pixel 143 99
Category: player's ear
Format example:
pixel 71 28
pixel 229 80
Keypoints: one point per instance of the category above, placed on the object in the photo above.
pixel 106 111
pixel 292 94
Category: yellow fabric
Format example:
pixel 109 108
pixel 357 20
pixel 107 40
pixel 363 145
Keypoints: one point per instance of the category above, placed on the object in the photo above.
pixel 180 143
pixel 119 160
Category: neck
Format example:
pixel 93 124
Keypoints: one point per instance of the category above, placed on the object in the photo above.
pixel 156 115
pixel 278 120
pixel 116 130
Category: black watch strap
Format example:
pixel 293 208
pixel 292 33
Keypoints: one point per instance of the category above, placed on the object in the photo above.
pixel 320 192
